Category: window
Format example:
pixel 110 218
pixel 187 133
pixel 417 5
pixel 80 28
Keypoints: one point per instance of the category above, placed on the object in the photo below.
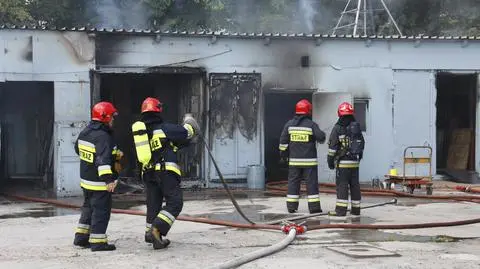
pixel 361 110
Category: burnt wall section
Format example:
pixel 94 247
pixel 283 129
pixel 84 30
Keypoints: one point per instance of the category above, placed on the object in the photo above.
pixel 177 92
pixel 234 104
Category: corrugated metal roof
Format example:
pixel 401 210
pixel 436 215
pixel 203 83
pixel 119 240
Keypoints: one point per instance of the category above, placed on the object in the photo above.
pixel 240 35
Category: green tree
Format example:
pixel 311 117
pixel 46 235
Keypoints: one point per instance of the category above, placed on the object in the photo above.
pixel 14 12
pixel 60 13
pixel 188 14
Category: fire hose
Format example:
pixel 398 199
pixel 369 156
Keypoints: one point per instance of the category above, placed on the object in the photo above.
pixel 292 228
pixel 289 227
pixel 273 188
pixel 261 252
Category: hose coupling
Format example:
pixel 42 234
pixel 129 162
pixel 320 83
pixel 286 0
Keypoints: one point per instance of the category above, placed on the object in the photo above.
pixel 299 228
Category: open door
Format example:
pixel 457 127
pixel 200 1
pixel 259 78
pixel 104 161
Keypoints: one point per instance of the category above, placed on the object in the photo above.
pixel 325 106
pixel 234 131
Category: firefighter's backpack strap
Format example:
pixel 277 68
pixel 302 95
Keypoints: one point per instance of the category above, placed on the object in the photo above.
pixel 142 143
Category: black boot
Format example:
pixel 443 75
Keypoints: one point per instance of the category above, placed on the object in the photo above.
pixel 102 247
pixel 158 241
pixel 81 240
pixel 316 210
pixel 148 237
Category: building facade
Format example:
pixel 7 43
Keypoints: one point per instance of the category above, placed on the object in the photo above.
pixel 242 88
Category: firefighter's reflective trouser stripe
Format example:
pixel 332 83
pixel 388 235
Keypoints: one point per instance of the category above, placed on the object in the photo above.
pixel 295 176
pixel 93 223
pixel 167 166
pixel 159 185
pixel 93 185
pixel 348 164
pixel 347 179
pixel 302 162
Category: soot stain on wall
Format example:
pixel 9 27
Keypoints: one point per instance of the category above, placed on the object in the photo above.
pixel 234 104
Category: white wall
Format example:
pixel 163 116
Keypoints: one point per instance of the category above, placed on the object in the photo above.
pixel 64 58
pixel 402 102
pixel 377 69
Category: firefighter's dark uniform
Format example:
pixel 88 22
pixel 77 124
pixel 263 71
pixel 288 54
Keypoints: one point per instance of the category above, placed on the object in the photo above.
pixel 347 173
pixel 298 141
pixel 97 151
pixel 162 175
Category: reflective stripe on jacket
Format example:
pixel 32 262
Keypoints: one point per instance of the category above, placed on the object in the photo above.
pixel 97 153
pixel 298 141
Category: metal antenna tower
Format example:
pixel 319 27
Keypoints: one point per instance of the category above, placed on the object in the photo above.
pixel 366 11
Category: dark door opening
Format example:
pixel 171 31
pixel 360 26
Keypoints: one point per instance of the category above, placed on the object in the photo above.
pixel 456 122
pixel 279 108
pixel 26 128
pixel 180 94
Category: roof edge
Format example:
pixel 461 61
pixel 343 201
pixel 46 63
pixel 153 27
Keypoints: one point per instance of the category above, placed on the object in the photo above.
pixel 228 34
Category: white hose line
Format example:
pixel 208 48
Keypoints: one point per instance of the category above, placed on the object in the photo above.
pixel 259 253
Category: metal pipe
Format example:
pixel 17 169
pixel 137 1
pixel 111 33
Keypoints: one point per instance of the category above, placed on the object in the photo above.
pixel 259 253
pixel 341 17
pixel 391 17
pixel 356 17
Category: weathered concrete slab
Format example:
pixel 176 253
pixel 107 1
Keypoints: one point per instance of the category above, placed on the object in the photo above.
pixel 362 251
pixel 33 240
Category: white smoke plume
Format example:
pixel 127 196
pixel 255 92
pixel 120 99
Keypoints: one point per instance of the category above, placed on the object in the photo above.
pixel 120 14
pixel 309 12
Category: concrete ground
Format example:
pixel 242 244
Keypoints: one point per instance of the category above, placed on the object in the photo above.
pixel 36 235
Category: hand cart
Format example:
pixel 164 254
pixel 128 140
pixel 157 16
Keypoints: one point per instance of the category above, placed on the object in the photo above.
pixel 416 181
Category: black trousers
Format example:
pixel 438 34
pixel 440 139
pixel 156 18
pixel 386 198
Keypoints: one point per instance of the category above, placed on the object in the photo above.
pixel 159 185
pixel 295 176
pixel 347 180
pixel 96 211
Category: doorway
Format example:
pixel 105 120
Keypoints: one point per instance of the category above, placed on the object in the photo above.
pixel 26 132
pixel 279 108
pixel 180 93
pixel 456 122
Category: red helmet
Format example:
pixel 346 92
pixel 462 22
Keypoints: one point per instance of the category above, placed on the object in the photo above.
pixel 345 108
pixel 303 107
pixel 103 112
pixel 152 105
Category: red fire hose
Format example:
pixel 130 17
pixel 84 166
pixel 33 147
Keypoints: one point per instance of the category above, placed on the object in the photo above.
pixel 273 188
pixel 140 213
pixel 265 226
pixel 467 189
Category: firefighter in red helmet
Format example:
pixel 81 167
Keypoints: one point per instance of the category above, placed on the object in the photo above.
pixel 97 152
pixel 156 144
pixel 298 143
pixel 345 150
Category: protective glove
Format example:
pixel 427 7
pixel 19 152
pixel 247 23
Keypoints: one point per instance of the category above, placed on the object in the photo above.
pixel 118 167
pixel 119 155
pixel 188 119
pixel 331 162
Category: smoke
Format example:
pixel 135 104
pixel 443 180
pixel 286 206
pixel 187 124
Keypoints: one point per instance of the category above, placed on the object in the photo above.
pixel 119 14
pixel 306 6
